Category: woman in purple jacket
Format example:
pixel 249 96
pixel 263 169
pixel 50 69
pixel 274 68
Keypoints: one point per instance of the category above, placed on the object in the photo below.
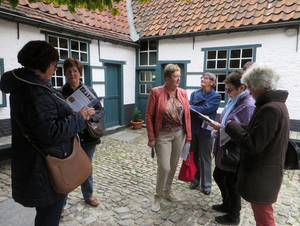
pixel 239 108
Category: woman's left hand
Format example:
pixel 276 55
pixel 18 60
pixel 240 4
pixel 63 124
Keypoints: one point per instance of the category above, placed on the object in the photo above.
pixel 188 141
pixel 215 125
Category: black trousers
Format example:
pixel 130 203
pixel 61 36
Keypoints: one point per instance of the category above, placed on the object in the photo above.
pixel 231 198
pixel 49 215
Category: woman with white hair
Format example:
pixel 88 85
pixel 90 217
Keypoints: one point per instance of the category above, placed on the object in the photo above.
pixel 263 142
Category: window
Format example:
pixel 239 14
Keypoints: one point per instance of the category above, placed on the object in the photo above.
pixel 223 60
pixel 148 53
pixel 146 79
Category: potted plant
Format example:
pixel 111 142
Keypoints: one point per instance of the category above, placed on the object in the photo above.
pixel 136 119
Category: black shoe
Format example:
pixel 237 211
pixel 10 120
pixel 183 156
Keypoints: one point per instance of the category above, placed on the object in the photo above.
pixel 205 192
pixel 193 185
pixel 219 208
pixel 226 220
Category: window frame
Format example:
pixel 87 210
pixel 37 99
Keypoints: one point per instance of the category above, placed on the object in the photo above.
pixel 227 70
pixel 148 51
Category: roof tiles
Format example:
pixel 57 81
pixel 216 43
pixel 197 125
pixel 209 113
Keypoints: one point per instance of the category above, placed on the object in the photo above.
pixel 164 17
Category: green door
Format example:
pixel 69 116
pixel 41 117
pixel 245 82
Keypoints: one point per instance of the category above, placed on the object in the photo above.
pixel 112 103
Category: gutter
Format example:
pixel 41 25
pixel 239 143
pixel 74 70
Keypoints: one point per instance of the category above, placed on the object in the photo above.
pixel 226 30
pixel 60 29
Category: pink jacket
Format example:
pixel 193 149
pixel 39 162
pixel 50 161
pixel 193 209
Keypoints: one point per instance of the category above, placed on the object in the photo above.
pixel 155 108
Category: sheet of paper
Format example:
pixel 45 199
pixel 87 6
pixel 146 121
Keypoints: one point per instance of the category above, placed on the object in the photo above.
pixel 224 137
pixel 203 117
pixel 206 126
pixel 185 151
pixel 82 97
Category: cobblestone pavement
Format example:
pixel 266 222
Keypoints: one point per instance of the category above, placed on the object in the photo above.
pixel 124 181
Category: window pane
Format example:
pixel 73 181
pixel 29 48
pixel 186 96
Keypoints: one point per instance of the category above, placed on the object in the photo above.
pixel 74 45
pixel 143 58
pixel 148 76
pixel 149 86
pixel 221 64
pixel 83 57
pixel 211 54
pixel 222 54
pixel 244 61
pixel 236 53
pixel 63 43
pixel 75 55
pixel 221 78
pixel 60 82
pixel 142 76
pixel 211 64
pixel 59 71
pixel 53 81
pixel 235 64
pixel 63 54
pixel 142 88
pixel 152 45
pixel 152 58
pixel 144 46
pixel 222 96
pixel 53 41
pixel 247 53
pixel 83 46
pixel 153 77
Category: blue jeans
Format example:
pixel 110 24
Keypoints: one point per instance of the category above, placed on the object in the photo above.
pixel 87 186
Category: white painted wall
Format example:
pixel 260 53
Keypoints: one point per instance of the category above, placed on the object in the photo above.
pixel 10 46
pixel 277 49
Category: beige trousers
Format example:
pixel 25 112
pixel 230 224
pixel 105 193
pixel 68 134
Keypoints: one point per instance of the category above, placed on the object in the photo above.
pixel 168 147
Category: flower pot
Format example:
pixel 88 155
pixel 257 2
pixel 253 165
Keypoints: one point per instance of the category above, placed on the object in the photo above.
pixel 137 125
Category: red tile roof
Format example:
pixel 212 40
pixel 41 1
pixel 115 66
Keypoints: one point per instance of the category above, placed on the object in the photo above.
pixel 164 17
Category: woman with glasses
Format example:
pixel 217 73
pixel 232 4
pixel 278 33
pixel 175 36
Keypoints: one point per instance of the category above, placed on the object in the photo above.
pixel 239 108
pixel 73 72
pixel 206 101
pixel 45 116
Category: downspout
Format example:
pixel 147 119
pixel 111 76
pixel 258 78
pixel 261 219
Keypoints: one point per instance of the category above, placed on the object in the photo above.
pixel 133 34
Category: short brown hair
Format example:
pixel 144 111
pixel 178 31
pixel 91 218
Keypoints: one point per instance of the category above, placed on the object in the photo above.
pixel 234 78
pixel 37 55
pixel 70 62
pixel 247 65
pixel 170 69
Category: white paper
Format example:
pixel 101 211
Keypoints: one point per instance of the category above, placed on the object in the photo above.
pixel 82 97
pixel 203 117
pixel 185 151
pixel 224 137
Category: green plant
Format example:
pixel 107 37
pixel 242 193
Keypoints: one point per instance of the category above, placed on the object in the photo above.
pixel 136 115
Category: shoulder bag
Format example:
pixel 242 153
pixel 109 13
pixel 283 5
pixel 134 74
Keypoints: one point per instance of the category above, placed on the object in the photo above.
pixel 292 156
pixel 188 169
pixel 65 174
pixel 95 129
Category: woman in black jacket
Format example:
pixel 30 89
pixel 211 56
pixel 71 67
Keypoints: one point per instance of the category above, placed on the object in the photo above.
pixel 73 72
pixel 49 122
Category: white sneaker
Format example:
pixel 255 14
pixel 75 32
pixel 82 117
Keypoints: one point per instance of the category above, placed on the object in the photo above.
pixel 156 204
pixel 171 197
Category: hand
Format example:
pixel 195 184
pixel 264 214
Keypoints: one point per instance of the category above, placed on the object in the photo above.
pixel 228 122
pixel 187 141
pixel 151 143
pixel 215 125
pixel 85 112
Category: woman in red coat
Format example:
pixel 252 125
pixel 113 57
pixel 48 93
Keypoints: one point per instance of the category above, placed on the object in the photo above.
pixel 168 124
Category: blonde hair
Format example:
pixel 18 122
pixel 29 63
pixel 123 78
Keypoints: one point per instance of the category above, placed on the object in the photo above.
pixel 170 69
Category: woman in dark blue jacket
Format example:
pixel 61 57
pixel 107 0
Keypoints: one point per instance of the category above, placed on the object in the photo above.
pixel 206 101
pixel 49 122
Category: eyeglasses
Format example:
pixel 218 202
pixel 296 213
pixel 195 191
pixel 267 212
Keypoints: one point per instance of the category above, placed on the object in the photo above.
pixel 204 77
pixel 72 72
pixel 229 90
pixel 54 63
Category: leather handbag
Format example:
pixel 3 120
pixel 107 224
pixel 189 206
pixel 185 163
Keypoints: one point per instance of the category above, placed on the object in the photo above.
pixel 95 129
pixel 231 155
pixel 65 174
pixel 292 156
pixel 188 169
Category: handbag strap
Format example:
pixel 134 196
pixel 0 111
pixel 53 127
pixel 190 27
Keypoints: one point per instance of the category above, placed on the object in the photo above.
pixel 26 135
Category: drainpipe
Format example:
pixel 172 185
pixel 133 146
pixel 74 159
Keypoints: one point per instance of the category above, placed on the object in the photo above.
pixel 133 34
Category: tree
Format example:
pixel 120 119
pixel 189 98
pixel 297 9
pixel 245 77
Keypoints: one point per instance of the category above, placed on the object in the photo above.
pixel 88 4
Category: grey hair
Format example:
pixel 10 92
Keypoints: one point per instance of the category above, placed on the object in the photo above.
pixel 261 75
pixel 211 76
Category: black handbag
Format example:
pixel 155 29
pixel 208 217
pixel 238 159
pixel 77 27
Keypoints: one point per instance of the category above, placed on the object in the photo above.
pixel 231 155
pixel 95 129
pixel 292 156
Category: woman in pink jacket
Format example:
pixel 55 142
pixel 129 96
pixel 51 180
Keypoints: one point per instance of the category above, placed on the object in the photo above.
pixel 168 124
